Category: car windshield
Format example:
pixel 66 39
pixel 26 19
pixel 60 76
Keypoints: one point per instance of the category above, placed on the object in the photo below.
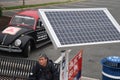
pixel 23 20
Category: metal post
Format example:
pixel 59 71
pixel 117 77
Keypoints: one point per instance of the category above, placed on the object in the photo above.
pixel 23 2
pixel 64 65
pixel 0 10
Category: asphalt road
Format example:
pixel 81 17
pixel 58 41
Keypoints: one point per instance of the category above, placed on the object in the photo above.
pixel 92 55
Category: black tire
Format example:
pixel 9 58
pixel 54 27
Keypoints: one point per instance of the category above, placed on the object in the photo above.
pixel 27 49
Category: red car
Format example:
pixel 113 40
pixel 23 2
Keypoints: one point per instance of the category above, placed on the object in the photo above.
pixel 24 32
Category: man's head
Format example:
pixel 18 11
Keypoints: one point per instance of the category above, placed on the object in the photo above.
pixel 43 59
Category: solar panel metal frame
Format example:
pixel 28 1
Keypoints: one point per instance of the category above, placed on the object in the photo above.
pixel 54 37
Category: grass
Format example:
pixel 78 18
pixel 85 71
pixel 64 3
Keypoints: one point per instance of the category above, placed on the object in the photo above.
pixel 35 5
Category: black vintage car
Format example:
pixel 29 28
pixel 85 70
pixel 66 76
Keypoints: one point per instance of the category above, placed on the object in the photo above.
pixel 24 32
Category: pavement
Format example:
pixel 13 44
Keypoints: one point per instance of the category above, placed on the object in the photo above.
pixel 88 78
pixel 9 3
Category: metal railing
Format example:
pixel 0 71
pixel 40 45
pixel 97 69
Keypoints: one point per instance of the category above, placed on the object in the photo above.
pixel 15 68
pixel 12 68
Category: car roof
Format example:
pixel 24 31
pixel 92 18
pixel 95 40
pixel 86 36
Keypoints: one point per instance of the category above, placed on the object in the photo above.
pixel 31 13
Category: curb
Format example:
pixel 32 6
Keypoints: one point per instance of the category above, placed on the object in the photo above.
pixel 87 78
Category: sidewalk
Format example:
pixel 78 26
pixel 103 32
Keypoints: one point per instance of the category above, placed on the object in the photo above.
pixel 87 78
pixel 27 2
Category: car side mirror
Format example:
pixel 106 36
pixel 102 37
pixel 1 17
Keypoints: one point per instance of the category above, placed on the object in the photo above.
pixel 41 24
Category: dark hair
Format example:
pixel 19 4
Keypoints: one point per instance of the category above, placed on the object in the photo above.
pixel 43 55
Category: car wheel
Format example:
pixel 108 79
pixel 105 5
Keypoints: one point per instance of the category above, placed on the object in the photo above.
pixel 27 49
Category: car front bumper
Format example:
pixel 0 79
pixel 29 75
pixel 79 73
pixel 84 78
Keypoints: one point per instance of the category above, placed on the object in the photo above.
pixel 10 48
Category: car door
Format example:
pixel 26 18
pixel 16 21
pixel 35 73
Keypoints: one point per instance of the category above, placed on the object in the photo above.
pixel 41 33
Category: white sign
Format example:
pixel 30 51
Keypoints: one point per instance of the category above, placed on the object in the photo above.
pixel 64 65
pixel 11 30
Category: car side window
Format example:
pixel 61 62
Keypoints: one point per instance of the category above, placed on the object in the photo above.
pixel 39 24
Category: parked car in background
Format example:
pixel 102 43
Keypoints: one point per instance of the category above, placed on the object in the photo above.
pixel 24 32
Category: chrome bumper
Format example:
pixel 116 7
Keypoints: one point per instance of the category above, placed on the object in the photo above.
pixel 10 48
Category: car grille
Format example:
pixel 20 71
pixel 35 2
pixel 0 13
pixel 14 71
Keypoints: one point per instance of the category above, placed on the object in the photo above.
pixel 10 48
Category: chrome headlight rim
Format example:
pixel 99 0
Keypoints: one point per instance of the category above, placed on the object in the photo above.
pixel 17 42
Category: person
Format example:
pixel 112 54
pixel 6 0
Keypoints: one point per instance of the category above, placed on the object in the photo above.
pixel 44 69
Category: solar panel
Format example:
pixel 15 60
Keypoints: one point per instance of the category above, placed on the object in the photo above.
pixel 79 27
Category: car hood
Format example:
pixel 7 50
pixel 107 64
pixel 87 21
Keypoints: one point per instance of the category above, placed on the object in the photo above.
pixel 11 33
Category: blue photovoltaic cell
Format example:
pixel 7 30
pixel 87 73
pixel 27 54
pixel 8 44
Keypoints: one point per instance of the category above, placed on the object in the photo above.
pixel 76 27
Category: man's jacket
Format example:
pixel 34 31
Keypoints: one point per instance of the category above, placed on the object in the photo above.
pixel 44 73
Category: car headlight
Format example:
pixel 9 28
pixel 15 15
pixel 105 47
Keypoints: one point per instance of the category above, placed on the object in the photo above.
pixel 18 42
